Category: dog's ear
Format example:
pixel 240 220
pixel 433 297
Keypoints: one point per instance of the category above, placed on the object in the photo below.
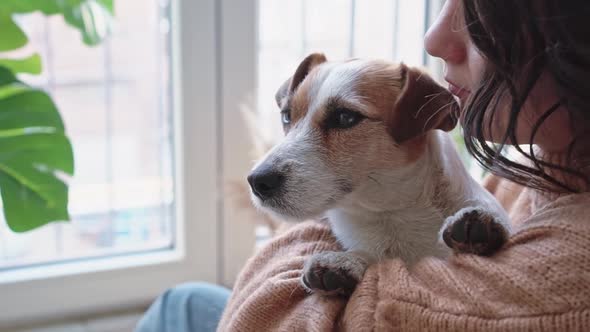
pixel 303 69
pixel 422 105
pixel 283 92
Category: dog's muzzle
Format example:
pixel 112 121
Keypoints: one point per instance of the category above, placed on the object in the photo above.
pixel 266 183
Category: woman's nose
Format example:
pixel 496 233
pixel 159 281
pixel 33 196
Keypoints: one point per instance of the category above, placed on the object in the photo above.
pixel 446 38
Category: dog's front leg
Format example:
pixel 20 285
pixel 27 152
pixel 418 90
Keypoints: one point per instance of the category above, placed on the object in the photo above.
pixel 476 230
pixel 335 273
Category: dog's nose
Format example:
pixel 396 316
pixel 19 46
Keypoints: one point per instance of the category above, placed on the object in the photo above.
pixel 265 183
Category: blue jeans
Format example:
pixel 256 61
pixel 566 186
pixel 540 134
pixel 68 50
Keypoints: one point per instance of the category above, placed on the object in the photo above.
pixel 186 308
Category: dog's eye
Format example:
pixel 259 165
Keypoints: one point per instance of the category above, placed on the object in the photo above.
pixel 286 117
pixel 343 118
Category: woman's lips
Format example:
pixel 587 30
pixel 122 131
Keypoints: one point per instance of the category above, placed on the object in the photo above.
pixel 462 93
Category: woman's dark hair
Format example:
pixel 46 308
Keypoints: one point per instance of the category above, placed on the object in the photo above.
pixel 520 39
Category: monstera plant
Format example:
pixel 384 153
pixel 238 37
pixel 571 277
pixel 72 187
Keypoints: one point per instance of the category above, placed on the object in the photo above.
pixel 36 156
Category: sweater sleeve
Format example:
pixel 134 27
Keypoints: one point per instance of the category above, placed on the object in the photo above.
pixel 268 295
pixel 539 281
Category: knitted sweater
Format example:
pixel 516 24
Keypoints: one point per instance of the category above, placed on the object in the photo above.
pixel 540 281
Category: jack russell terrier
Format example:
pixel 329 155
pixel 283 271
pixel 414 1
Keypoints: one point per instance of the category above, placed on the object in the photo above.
pixel 362 150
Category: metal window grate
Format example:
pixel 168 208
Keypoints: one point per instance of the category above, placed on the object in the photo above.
pixel 289 30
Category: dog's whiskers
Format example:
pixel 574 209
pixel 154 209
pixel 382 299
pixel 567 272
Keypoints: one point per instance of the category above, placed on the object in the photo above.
pixel 433 96
pixel 435 114
pixel 420 77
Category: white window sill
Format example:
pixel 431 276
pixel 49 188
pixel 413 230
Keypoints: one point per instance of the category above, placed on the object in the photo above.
pixel 113 323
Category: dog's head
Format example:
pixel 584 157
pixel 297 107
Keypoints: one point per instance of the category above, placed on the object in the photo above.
pixel 347 124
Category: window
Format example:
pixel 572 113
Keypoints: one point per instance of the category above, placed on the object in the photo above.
pixel 141 111
pixel 290 30
pixel 116 105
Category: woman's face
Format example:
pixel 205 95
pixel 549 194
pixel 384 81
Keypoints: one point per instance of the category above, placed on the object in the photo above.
pixel 448 39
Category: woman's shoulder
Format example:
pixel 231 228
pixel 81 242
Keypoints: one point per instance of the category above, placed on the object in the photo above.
pixel 527 207
pixel 511 196
pixel 570 213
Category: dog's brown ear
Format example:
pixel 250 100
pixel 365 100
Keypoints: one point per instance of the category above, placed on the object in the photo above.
pixel 303 69
pixel 422 105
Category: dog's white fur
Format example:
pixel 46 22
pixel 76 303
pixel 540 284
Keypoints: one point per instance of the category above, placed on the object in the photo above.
pixel 394 209
pixel 401 217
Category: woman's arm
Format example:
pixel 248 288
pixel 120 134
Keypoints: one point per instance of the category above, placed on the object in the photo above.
pixel 540 280
pixel 268 295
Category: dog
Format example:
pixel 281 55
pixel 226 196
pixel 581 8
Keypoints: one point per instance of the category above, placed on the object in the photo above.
pixel 366 147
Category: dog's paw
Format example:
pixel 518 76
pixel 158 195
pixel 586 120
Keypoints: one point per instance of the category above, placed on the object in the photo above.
pixel 476 231
pixel 333 273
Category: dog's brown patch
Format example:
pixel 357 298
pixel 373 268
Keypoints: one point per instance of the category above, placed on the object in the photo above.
pixel 300 100
pixel 422 105
pixel 294 98
pixel 379 86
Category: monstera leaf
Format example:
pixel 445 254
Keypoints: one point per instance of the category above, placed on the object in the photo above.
pixel 35 154
pixel 33 151
pixel 30 65
pixel 92 17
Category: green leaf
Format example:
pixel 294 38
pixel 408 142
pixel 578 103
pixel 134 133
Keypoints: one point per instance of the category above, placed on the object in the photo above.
pixel 93 18
pixel 25 209
pixel 12 37
pixel 34 151
pixel 29 109
pixel 108 4
pixel 47 7
pixel 6 77
pixel 30 65
pixel 47 151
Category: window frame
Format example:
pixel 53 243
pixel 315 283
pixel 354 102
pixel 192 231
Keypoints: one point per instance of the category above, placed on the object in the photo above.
pixel 209 83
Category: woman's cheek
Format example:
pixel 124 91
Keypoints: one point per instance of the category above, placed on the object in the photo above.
pixel 476 64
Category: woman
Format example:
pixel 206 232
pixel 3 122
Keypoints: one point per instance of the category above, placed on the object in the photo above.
pixel 521 70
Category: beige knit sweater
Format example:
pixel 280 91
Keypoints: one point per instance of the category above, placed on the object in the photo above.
pixel 540 281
